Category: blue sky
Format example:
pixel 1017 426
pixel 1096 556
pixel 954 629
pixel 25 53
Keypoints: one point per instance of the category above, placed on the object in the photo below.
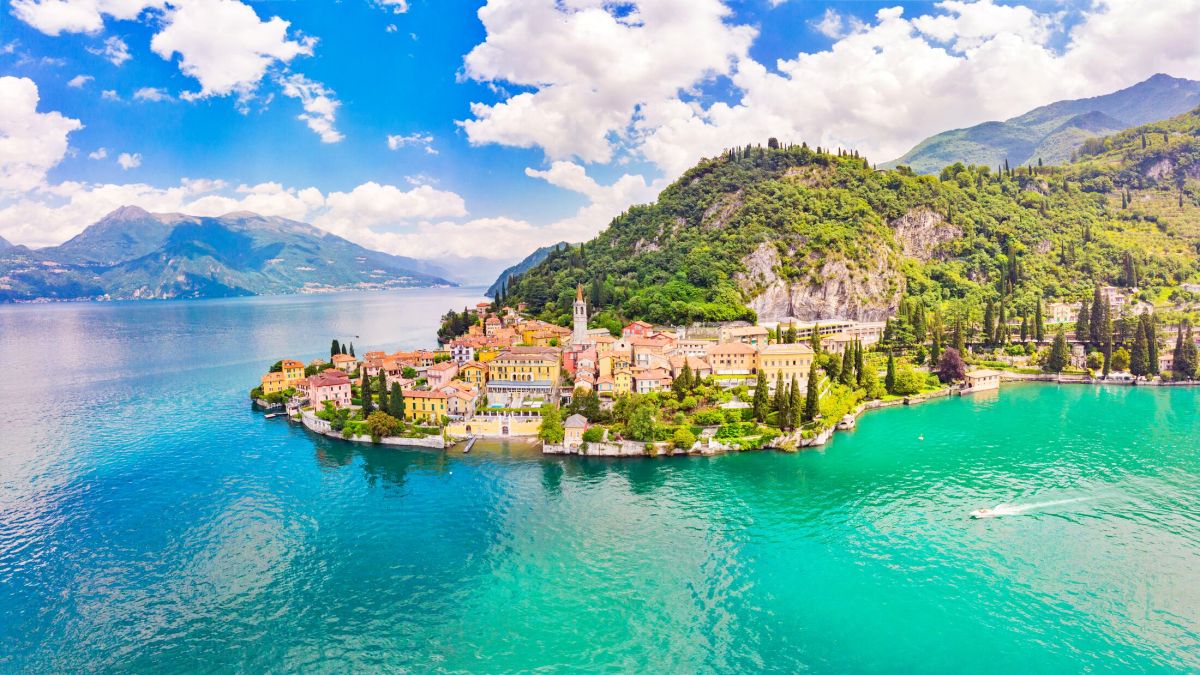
pixel 513 123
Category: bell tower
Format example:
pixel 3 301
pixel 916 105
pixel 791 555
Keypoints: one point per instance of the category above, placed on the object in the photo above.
pixel 579 334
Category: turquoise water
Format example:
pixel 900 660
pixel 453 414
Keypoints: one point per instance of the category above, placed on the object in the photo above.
pixel 150 522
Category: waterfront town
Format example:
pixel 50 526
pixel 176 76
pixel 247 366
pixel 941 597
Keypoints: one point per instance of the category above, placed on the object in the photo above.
pixel 703 388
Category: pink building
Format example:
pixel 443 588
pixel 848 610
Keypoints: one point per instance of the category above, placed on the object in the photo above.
pixel 331 385
pixel 441 373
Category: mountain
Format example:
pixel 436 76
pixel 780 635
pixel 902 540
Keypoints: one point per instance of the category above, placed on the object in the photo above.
pixel 779 232
pixel 516 270
pixel 134 254
pixel 5 244
pixel 1053 132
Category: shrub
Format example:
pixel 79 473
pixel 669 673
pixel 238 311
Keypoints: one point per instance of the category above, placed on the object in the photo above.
pixel 683 439
pixel 593 435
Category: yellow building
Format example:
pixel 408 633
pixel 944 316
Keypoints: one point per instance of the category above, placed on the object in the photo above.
pixel 792 360
pixel 485 354
pixel 429 406
pixel 622 382
pixel 293 371
pixel 518 365
pixel 273 383
pixel 475 373
pixel 733 358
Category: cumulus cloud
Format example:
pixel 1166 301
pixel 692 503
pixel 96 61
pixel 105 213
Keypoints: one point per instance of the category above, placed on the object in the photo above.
pixel 79 81
pixel 110 95
pixel 396 6
pixel 224 45
pixel 31 142
pixel 836 25
pixel 114 49
pixel 154 94
pixel 129 161
pixel 320 106
pixel 54 17
pixel 98 153
pixel 592 64
pixel 395 142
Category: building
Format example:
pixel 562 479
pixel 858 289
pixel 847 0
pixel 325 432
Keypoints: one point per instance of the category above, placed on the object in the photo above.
pixel 789 360
pixel 474 372
pixel 428 406
pixel 982 380
pixel 733 358
pixel 523 372
pixel 754 336
pixel 579 335
pixel 637 329
pixel 651 379
pixel 344 362
pixel 491 325
pixel 696 348
pixel 573 428
pixel 330 385
pixel 699 367
pixel 293 371
pixel 622 382
pixel 837 343
pixel 440 373
pixel 1061 312
pixel 274 383
pixel 462 351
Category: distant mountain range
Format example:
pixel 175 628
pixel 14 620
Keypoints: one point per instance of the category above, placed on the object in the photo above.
pixel 1052 133
pixel 528 262
pixel 134 254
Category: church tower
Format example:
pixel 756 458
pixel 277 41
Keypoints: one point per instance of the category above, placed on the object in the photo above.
pixel 579 335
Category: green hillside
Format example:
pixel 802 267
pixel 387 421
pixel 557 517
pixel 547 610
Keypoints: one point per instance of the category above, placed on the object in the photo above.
pixel 861 240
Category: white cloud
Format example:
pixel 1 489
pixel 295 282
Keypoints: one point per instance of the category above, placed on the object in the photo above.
pixel 31 143
pixel 397 141
pixel 98 153
pixel 154 94
pixel 110 95
pixel 396 6
pixel 391 28
pixel 79 80
pixel 54 17
pixel 129 161
pixel 114 49
pixel 604 201
pixel 593 64
pixel 224 45
pixel 836 25
pixel 320 107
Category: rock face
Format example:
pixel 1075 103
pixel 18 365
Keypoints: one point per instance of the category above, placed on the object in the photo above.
pixel 867 292
pixel 921 234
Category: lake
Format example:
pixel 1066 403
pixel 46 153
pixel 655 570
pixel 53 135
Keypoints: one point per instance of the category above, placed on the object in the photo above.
pixel 151 522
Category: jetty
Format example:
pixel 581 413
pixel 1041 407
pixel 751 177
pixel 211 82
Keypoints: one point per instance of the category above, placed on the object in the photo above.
pixel 470 444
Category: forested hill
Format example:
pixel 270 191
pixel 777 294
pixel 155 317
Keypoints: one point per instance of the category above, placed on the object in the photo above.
pixel 796 231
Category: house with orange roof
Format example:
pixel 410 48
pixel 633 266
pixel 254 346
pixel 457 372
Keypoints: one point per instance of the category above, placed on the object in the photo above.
pixel 474 372
pixel 732 358
pixel 429 406
pixel 648 380
pixel 636 329
pixel 344 362
pixel 274 383
pixel 330 385
pixel 440 373
pixel 293 371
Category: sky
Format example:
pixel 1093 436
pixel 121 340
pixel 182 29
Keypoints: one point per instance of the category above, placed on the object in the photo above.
pixel 450 129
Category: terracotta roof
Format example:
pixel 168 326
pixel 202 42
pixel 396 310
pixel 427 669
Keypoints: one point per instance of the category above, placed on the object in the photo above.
pixel 731 348
pixel 292 363
pixel 343 358
pixel 797 348
pixel 271 377
pixel 575 421
pixel 328 379
pixel 421 393
pixel 444 365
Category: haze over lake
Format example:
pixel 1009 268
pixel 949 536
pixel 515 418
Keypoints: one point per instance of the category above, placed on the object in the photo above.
pixel 150 521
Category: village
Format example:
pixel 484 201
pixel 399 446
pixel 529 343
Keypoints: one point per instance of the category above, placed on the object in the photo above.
pixel 667 390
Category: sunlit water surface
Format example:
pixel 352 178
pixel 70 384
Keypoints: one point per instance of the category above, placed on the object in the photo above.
pixel 151 522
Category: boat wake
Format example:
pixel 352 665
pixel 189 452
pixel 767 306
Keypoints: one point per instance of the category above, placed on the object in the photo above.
pixel 1022 509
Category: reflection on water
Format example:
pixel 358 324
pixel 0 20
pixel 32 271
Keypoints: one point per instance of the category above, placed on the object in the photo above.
pixel 150 521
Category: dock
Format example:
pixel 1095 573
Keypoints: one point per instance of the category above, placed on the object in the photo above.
pixel 470 444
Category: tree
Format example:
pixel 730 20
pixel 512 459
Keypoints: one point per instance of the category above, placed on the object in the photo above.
pixel 682 384
pixel 1039 326
pixel 989 324
pixel 858 363
pixel 396 402
pixel 761 397
pixel 351 349
pixel 1120 359
pixel 344 350
pixel 1024 327
pixel 796 404
pixel 889 380
pixel 383 391
pixel 684 439
pixel 960 338
pixel 334 348
pixel 1083 327
pixel 1152 343
pixel 1096 321
pixel 1185 353
pixel 1139 361
pixel 780 394
pixel 951 368
pixel 551 429
pixel 812 398
pixel 846 376
pixel 814 339
pixel 368 403
pixel 785 411
pixel 641 426
pixel 381 425
pixel 1060 355
pixel 908 381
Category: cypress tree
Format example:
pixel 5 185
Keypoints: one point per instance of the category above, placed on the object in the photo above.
pixel 396 402
pixel 1083 328
pixel 334 348
pixel 1060 355
pixel 383 391
pixel 935 349
pixel 761 397
pixel 1139 363
pixel 795 404
pixel 368 404
pixel 1039 327
pixel 1185 353
pixel 785 411
pixel 989 323
pixel 889 380
pixel 1096 323
pixel 859 368
pixel 344 351
pixel 960 339
pixel 1025 328
pixel 1152 343
pixel 814 340
pixel 812 398
pixel 846 377
pixel 1001 336
pixel 351 349
pixel 780 397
